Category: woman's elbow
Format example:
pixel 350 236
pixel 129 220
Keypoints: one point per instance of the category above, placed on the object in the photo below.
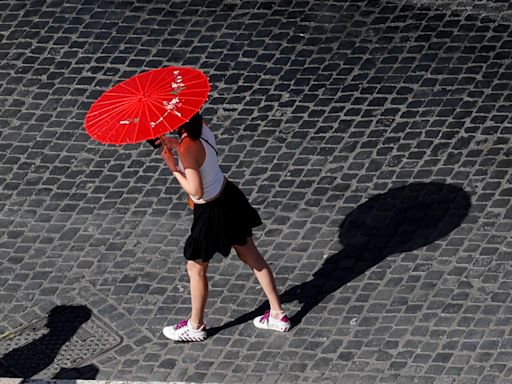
pixel 197 193
pixel 195 185
pixel 199 196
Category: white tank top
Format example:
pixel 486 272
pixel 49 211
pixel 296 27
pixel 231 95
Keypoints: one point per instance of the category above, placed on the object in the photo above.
pixel 211 174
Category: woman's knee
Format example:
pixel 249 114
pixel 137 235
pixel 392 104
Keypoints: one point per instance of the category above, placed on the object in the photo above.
pixel 250 255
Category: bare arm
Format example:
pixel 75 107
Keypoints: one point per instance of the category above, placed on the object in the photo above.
pixel 190 180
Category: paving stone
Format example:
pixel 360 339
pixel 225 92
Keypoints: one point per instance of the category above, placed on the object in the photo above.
pixel 372 136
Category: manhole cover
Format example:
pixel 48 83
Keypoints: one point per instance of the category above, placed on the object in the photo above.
pixel 64 339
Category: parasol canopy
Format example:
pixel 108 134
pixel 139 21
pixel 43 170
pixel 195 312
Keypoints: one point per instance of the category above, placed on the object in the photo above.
pixel 147 105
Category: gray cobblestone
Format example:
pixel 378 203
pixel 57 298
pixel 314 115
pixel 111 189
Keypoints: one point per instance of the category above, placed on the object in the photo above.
pixel 372 136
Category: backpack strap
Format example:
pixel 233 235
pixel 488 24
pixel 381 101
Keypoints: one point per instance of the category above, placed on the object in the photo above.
pixel 207 142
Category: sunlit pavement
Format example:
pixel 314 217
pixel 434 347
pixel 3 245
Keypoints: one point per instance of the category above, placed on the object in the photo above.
pixel 372 136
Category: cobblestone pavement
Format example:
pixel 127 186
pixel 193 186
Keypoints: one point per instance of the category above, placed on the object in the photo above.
pixel 373 136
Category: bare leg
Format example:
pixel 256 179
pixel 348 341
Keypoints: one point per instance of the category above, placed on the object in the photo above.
pixel 198 289
pixel 250 255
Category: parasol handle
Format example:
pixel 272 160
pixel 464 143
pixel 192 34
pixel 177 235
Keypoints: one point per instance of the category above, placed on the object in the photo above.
pixel 161 137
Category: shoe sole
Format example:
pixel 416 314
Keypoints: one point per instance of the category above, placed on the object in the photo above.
pixel 257 324
pixel 183 338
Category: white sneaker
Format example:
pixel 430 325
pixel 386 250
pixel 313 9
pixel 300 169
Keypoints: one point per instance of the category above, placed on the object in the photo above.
pixel 267 322
pixel 183 331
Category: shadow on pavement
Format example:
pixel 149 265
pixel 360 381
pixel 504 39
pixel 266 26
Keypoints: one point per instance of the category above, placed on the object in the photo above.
pixel 33 358
pixel 400 220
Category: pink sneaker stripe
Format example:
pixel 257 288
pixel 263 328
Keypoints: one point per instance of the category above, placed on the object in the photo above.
pixel 181 324
pixel 265 317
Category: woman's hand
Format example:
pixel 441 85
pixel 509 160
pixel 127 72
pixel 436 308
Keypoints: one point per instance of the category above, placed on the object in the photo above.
pixel 169 158
pixel 168 145
pixel 169 142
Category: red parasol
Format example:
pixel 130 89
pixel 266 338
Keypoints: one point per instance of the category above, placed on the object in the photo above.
pixel 147 105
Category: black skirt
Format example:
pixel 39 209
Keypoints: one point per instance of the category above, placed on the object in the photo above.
pixel 221 223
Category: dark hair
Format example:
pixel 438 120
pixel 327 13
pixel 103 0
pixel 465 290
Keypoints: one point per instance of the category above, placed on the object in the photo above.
pixel 193 127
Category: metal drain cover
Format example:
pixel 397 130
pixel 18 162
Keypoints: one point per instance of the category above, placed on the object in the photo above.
pixel 55 344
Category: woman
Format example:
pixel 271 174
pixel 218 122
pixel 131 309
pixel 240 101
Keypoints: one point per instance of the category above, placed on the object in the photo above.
pixel 223 219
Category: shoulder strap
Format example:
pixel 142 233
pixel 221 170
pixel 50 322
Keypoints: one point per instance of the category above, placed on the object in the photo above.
pixel 207 142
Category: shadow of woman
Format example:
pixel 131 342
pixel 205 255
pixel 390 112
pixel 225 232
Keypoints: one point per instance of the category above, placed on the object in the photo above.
pixel 35 357
pixel 402 219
